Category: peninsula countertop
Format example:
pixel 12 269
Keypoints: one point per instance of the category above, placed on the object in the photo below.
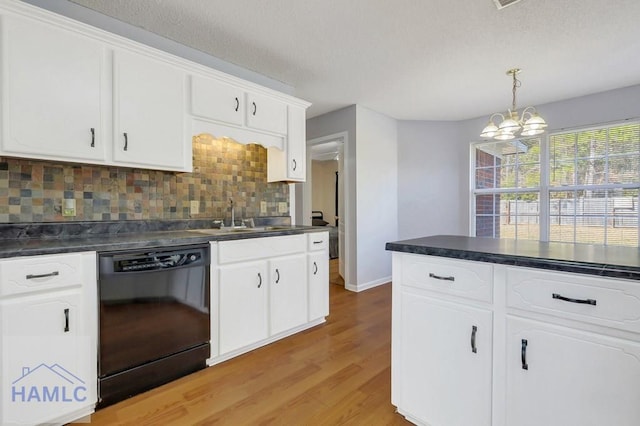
pixel 609 261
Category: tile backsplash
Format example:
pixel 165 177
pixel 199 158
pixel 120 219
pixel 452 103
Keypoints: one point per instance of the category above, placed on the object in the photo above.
pixel 34 190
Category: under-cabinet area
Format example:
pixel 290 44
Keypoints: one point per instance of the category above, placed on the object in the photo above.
pixel 485 343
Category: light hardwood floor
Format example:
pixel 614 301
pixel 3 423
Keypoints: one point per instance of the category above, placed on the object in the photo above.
pixel 337 373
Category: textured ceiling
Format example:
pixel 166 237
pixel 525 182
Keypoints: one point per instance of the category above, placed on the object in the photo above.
pixel 409 59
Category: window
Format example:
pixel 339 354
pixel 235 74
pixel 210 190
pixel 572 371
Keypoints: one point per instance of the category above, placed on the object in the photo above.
pixel 586 192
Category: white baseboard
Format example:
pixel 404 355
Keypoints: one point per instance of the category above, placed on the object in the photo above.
pixel 365 286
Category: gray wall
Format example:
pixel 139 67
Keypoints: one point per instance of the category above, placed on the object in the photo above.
pixel 343 120
pixel 433 158
pixel 432 178
pixel 376 196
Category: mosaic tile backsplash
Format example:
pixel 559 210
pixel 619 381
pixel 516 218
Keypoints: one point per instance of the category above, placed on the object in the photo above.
pixel 34 191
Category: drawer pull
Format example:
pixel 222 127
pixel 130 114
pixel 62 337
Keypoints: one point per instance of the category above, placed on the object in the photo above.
pixel 523 354
pixel 438 277
pixel 66 320
pixel 474 330
pixel 50 274
pixel 318 242
pixel 580 301
pixel 259 280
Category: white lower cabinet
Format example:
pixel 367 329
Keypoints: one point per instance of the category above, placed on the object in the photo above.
pixel 243 307
pixel 260 292
pixel 288 292
pixel 318 277
pixel 557 376
pixel 48 338
pixel 553 348
pixel 445 362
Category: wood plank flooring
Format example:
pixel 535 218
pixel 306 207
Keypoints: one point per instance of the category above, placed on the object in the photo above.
pixel 337 373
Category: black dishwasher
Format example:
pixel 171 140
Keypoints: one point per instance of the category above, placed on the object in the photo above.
pixel 154 318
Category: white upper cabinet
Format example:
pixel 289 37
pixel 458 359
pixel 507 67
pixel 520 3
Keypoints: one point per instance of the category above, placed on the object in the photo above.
pixel 265 113
pixel 52 93
pixel 290 163
pixel 277 122
pixel 216 100
pixel 149 113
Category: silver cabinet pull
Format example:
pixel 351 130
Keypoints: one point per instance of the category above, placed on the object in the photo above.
pixel 126 141
pixel 237 104
pixel 315 266
pixel 259 280
pixel 295 165
pixel 93 137
pixel 50 274
pixel 318 242
pixel 277 276
pixel 439 277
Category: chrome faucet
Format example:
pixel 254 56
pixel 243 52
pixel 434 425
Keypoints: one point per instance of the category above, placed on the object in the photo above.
pixel 233 213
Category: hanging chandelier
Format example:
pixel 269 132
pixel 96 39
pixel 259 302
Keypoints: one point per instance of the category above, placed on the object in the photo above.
pixel 529 124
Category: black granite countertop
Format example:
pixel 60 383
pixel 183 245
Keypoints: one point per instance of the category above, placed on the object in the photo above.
pixel 38 239
pixel 609 261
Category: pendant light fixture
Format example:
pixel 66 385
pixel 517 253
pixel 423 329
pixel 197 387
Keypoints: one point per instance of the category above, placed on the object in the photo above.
pixel 530 124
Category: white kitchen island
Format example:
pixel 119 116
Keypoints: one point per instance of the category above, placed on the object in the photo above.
pixel 515 333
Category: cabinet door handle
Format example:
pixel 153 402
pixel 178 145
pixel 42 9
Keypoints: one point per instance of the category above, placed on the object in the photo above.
pixel 277 276
pixel 93 137
pixel 295 165
pixel 255 108
pixel 439 277
pixel 315 268
pixel 126 141
pixel 523 354
pixel 66 320
pixel 50 274
pixel 474 331
pixel 569 299
pixel 237 104
pixel 259 280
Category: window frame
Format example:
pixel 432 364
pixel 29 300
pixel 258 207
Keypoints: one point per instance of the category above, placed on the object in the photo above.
pixel 545 189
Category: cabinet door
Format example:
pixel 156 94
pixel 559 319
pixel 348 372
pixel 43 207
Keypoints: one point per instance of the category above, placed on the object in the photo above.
pixel 572 378
pixel 265 113
pixel 52 97
pixel 443 381
pixel 296 144
pixel 243 305
pixel 217 101
pixel 288 292
pixel 149 113
pixel 45 344
pixel 318 278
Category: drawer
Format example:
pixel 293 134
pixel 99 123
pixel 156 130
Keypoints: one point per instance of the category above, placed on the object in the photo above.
pixel 317 241
pixel 36 273
pixel 608 302
pixel 473 280
pixel 260 248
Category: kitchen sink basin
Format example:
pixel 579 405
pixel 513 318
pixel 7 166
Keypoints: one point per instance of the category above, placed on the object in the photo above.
pixel 218 231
